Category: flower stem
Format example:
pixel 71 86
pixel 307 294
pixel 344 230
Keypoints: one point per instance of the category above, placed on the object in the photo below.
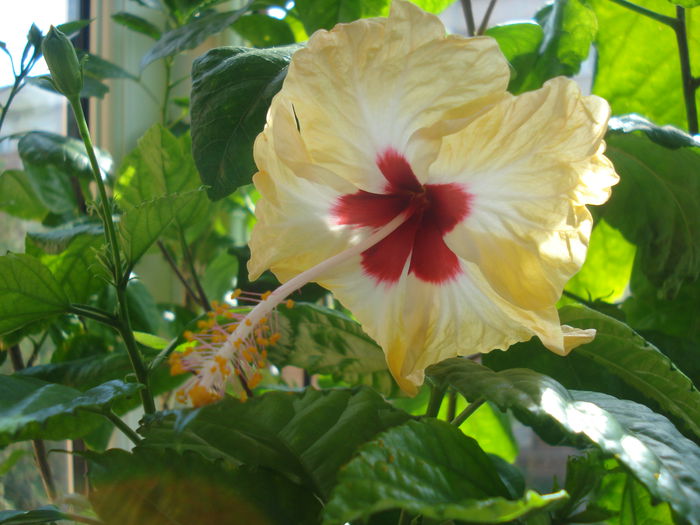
pixel 667 20
pixel 203 300
pixel 464 414
pixel 689 84
pixel 125 429
pixel 487 16
pixel 436 395
pixel 262 309
pixel 469 17
pixel 121 277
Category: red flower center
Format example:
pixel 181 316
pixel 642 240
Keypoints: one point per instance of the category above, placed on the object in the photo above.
pixel 435 210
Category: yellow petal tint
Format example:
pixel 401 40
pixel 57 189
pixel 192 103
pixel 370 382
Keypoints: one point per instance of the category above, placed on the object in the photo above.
pixel 385 115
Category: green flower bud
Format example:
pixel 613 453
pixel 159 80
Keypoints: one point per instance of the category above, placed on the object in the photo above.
pixel 66 70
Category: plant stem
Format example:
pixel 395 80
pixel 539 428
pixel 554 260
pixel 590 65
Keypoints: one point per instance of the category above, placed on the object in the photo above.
pixel 110 231
pixel 121 278
pixel 203 301
pixel 82 519
pixel 173 266
pixel 15 89
pixel 464 414
pixel 93 313
pixel 451 405
pixel 168 62
pixel 469 16
pixel 125 429
pixel 404 518
pixel 688 81
pixel 667 20
pixel 137 364
pixel 37 444
pixel 487 16
pixel 436 395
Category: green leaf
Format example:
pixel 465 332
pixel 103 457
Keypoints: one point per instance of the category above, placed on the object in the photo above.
pixel 191 35
pixel 656 206
pixel 151 341
pixel 231 91
pixel 46 514
pixel 667 136
pixel 646 443
pixel 17 197
pixel 33 409
pixel 520 43
pixel 628 501
pixel 162 488
pixel 686 3
pixel 638 59
pixel 142 225
pixel 617 362
pixel 72 28
pixel 264 31
pixel 606 272
pixel 569 29
pixel 429 468
pixel 324 14
pixel 136 23
pixel 220 276
pixel 308 436
pixel 91 86
pixel 324 341
pixel 50 161
pixel 160 164
pixel 28 292
pixel 70 255
pixel 101 69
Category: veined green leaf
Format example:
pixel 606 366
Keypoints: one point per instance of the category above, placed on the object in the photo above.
pixel 142 225
pixel 136 23
pixel 638 59
pixel 46 514
pixel 428 468
pixel 617 362
pixel 190 35
pixel 324 341
pixel 646 443
pixel 231 91
pixel 308 436
pixel 28 292
pixel 664 184
pixel 33 409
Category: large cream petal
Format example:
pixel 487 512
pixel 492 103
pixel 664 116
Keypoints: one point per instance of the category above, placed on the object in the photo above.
pixel 531 163
pixel 372 84
pixel 419 324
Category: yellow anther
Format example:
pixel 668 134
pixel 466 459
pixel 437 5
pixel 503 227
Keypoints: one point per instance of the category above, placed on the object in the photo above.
pixel 218 338
pixel 188 335
pixel 213 369
pixel 237 343
pixel 235 294
pixel 214 304
pixel 229 314
pixel 262 341
pixel 275 337
pixel 262 321
pixel 248 323
pixel 202 324
pixel 265 295
pixel 237 371
pixel 231 328
pixel 201 396
pixel 289 303
pixel 254 380
pixel 176 365
pixel 263 354
pixel 243 397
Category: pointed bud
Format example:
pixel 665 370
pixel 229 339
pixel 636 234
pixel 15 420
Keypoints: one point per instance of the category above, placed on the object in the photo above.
pixel 66 71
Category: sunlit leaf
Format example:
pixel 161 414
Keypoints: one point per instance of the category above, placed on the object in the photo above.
pixel 520 44
pixel 606 273
pixel 638 61
pixel 617 362
pixel 646 443
pixel 264 31
pixel 46 514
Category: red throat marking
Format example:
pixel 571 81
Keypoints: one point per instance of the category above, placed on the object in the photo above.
pixel 437 209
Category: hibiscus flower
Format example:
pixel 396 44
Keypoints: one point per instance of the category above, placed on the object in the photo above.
pixel 389 121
